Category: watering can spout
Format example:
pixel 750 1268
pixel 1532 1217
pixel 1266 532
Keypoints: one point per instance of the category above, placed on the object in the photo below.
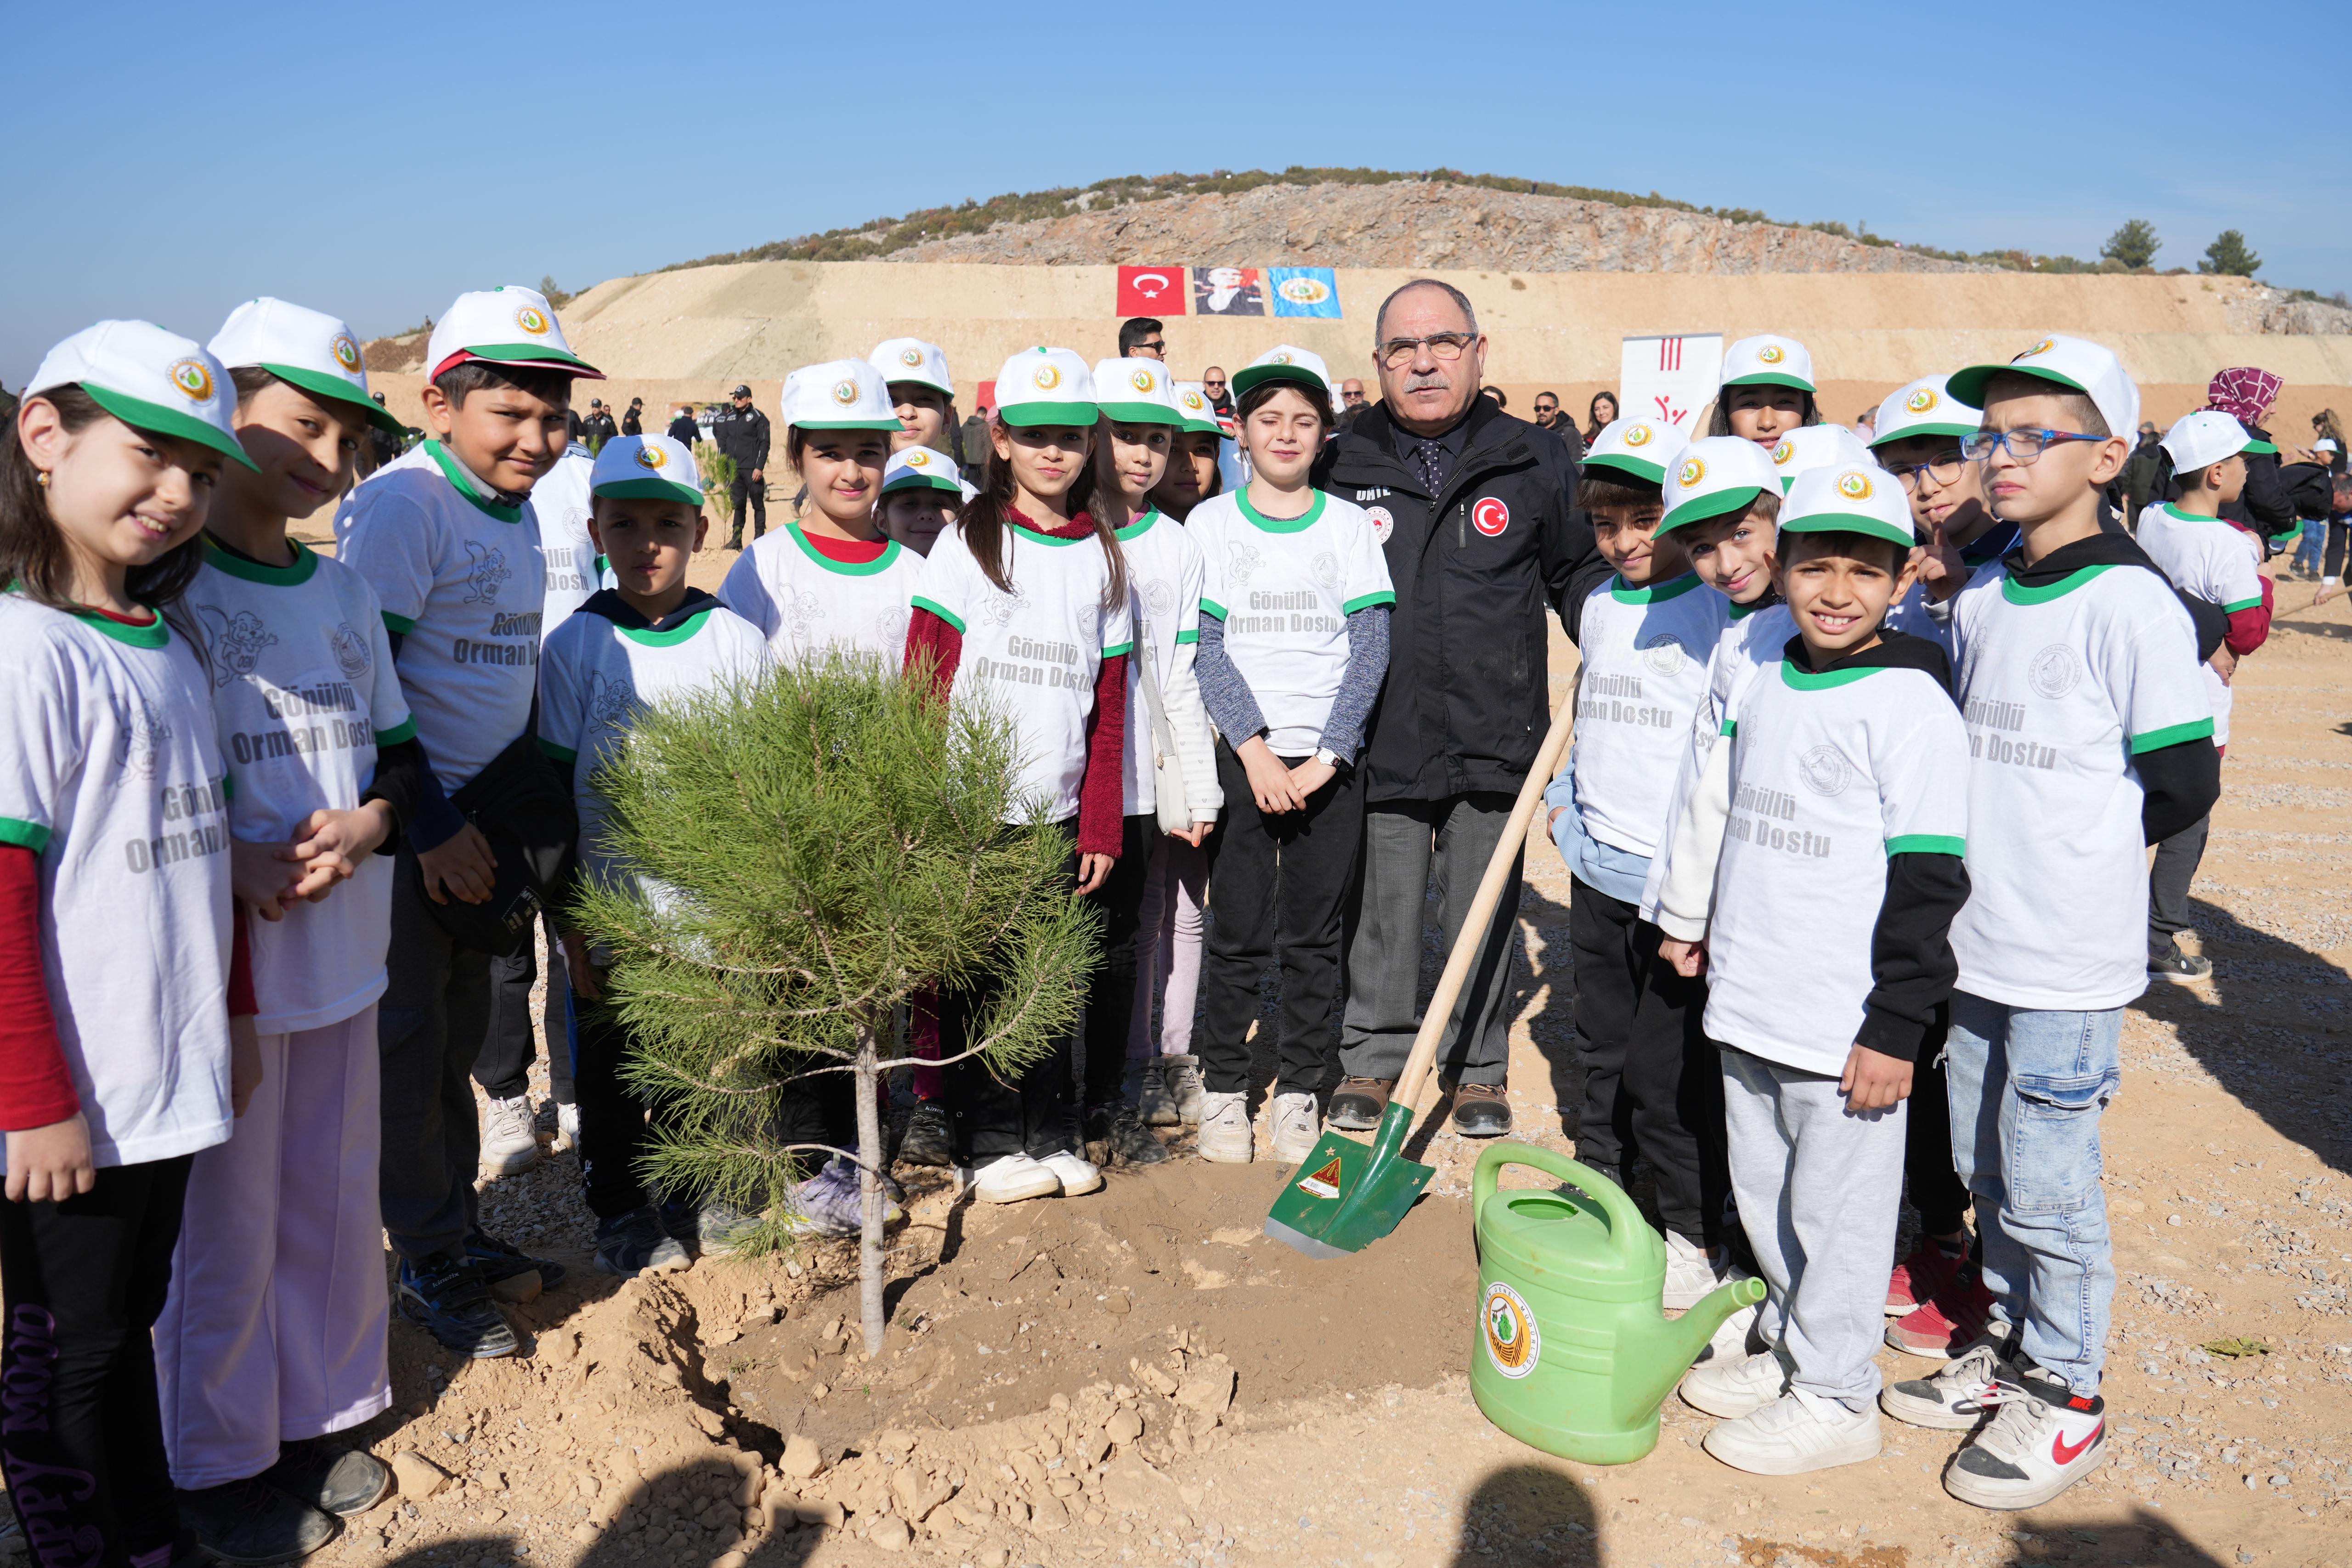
pixel 1681 1343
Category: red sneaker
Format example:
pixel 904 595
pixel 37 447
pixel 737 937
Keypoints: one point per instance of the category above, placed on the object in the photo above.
pixel 1956 1316
pixel 1921 1278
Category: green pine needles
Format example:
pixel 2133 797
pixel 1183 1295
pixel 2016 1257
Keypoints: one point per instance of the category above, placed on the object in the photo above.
pixel 816 846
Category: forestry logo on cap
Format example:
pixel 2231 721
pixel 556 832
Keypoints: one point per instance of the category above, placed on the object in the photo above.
pixel 1719 475
pixel 1921 400
pixel 1767 360
pixel 652 457
pixel 1193 407
pixel 1136 391
pixel 1194 402
pixel 2038 350
pixel 1847 498
pixel 1782 453
pixel 839 394
pixel 1855 485
pixel 1814 445
pixel 910 357
pixel 918 458
pixel 1637 435
pixel 1771 353
pixel 1692 474
pixel 1142 380
pixel 646 468
pixel 913 359
pixel 532 320
pixel 1284 362
pixel 844 392
pixel 193 380
pixel 346 352
pixel 919 468
pixel 1046 377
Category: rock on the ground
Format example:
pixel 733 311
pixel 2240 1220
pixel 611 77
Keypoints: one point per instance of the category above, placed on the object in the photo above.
pixel 893 1535
pixel 800 1459
pixel 419 1477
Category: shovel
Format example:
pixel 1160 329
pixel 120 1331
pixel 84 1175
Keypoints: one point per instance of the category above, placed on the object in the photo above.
pixel 1347 1196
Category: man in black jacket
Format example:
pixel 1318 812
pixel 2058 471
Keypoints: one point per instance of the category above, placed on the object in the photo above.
pixel 633 423
pixel 683 429
pixel 1476 512
pixel 741 433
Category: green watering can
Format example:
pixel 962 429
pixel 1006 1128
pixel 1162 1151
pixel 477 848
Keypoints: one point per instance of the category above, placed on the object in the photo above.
pixel 1573 1354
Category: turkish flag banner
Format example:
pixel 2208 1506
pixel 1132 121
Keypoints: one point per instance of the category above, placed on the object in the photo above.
pixel 1151 290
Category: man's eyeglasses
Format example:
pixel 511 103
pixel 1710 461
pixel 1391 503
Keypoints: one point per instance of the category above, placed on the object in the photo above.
pixel 1944 467
pixel 2024 446
pixel 1158 348
pixel 1213 387
pixel 1547 407
pixel 1398 353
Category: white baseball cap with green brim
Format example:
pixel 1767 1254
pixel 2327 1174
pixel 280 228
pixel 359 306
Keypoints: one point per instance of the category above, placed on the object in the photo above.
pixel 1769 361
pixel 912 359
pixel 646 468
pixel 920 468
pixel 839 394
pixel 2202 439
pixel 1136 391
pixel 1713 476
pixel 506 325
pixel 150 379
pixel 1850 498
pixel 2076 363
pixel 1645 448
pixel 1812 446
pixel 1923 407
pixel 1284 362
pixel 1046 386
pixel 304 348
pixel 1193 405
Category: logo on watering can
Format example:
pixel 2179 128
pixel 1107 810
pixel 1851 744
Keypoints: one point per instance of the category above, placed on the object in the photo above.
pixel 1514 1343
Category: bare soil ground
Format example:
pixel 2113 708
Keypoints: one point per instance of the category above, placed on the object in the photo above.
pixel 1139 1377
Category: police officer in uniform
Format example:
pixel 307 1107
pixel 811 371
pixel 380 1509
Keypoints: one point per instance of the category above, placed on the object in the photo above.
pixel 741 433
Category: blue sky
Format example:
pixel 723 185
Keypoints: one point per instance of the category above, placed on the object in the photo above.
pixel 373 160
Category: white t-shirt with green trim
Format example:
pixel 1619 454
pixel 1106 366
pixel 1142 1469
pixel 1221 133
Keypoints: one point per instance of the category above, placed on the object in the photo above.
pixel 598 675
pixel 1647 652
pixel 1285 588
pixel 2060 687
pixel 1032 654
pixel 1164 574
pixel 303 693
pixel 460 579
pixel 805 604
pixel 109 773
pixel 2206 559
pixel 1752 635
pixel 566 551
pixel 1831 775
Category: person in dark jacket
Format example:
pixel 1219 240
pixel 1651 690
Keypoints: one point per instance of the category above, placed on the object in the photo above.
pixel 1475 511
pixel 633 423
pixel 741 433
pixel 598 427
pixel 683 429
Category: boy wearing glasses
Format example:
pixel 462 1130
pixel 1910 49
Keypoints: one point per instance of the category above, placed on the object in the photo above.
pixel 2090 737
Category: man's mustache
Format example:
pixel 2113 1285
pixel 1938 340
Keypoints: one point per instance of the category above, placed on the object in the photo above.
pixel 1435 380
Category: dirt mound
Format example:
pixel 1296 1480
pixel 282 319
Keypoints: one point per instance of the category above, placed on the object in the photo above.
pixel 1420 224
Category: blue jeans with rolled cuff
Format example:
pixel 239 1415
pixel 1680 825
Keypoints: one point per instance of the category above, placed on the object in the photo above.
pixel 2027 1087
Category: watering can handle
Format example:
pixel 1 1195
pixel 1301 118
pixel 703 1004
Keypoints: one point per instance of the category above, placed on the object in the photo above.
pixel 1472 934
pixel 1624 1216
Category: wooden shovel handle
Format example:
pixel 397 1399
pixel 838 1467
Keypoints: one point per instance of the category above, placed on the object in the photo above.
pixel 1482 908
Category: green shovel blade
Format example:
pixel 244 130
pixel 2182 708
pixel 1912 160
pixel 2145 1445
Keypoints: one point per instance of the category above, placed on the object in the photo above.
pixel 1346 1195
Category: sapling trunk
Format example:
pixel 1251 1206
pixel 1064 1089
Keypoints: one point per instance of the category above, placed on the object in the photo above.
pixel 869 1184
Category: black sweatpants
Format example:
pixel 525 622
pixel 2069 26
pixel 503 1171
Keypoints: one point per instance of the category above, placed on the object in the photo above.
pixel 1937 1190
pixel 429 1028
pixel 84 1281
pixel 749 495
pixel 2168 880
pixel 503 1068
pixel 989 1117
pixel 1653 1080
pixel 1277 891
pixel 1110 997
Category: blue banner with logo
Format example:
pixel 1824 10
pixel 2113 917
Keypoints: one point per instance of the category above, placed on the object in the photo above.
pixel 1304 292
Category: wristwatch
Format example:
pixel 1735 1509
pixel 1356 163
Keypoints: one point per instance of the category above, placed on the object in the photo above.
pixel 1329 758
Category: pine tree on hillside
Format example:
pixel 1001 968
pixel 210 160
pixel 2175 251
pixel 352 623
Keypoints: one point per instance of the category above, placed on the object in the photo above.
pixel 2228 255
pixel 2133 245
pixel 814 846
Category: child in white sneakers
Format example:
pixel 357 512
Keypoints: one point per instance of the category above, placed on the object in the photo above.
pixel 1837 801
pixel 2090 736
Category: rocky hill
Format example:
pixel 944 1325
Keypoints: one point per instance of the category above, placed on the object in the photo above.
pixel 1420 224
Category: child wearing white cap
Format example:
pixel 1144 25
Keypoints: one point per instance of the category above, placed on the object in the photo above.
pixel 1294 648
pixel 2090 736
pixel 831 580
pixel 1767 391
pixel 1173 797
pixel 1646 634
pixel 1821 871
pixel 2208 559
pixel 648 638
pixel 447 537
pixel 922 393
pixel 1195 455
pixel 116 980
pixel 1023 605
pixel 922 492
pixel 274 1333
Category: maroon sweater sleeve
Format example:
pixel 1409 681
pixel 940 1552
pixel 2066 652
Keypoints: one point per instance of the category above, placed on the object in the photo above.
pixel 2250 628
pixel 242 1003
pixel 1102 788
pixel 36 1087
pixel 932 639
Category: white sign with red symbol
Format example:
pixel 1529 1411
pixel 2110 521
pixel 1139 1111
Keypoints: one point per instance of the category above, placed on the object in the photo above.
pixel 1490 516
pixel 1669 379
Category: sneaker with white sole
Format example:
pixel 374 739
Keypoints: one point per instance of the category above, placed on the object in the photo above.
pixel 1078 1175
pixel 2043 1438
pixel 567 1126
pixel 1013 1178
pixel 1153 1102
pixel 1225 1135
pixel 1693 1272
pixel 1796 1433
pixel 1959 1394
pixel 509 1137
pixel 1296 1127
pixel 1736 1385
pixel 1180 1076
